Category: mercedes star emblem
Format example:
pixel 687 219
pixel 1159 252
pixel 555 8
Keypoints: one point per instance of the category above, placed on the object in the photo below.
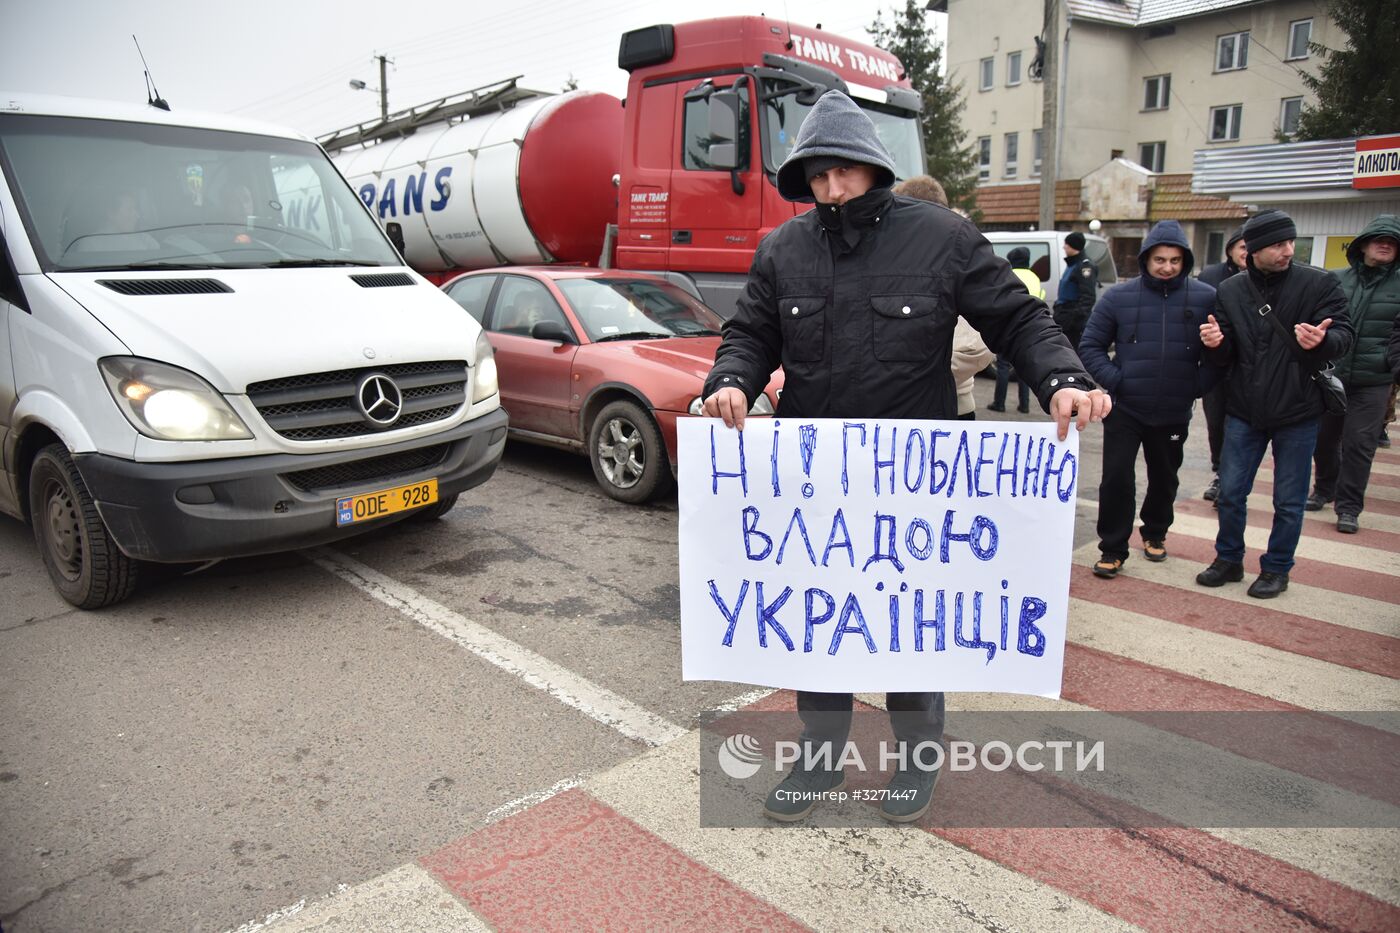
pixel 380 399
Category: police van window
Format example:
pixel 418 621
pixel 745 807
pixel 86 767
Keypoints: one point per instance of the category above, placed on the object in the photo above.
pixel 1102 258
pixel 1040 256
pixel 695 153
pixel 471 293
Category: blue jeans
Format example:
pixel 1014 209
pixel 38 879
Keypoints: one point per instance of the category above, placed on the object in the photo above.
pixel 1240 457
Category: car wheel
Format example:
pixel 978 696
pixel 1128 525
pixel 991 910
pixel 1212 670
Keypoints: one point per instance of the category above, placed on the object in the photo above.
pixel 85 564
pixel 628 456
pixel 435 511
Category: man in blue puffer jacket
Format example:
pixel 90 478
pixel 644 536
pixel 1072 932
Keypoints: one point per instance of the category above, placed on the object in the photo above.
pixel 1155 376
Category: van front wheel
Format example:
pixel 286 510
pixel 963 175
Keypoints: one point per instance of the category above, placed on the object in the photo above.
pixel 85 564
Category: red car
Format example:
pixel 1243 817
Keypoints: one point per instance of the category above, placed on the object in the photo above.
pixel 600 362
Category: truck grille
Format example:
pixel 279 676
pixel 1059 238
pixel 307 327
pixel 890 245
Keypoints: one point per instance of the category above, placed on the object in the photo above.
pixel 379 469
pixel 318 406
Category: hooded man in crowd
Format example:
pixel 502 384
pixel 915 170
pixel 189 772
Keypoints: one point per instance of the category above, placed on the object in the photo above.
pixel 1155 377
pixel 857 300
pixel 1214 401
pixel 1273 327
pixel 1346 443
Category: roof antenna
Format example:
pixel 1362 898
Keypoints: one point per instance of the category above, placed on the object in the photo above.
pixel 787 20
pixel 152 95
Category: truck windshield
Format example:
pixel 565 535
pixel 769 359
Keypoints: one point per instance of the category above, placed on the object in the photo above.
pixel 104 194
pixel 897 129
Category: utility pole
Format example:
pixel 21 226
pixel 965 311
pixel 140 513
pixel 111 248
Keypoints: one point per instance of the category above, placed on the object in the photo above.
pixel 1050 88
pixel 384 88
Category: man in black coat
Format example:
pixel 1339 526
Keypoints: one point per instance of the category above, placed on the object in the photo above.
pixel 1213 402
pixel 1273 327
pixel 857 300
pixel 1079 289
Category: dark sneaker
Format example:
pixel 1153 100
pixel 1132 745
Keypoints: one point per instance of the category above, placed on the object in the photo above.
pixel 800 791
pixel 1315 502
pixel 1155 551
pixel 1221 572
pixel 1347 523
pixel 1212 491
pixel 1268 585
pixel 1108 566
pixel 996 408
pixel 1384 440
pixel 1026 410
pixel 910 792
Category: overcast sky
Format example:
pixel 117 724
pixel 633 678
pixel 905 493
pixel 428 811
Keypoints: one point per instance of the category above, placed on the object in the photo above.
pixel 290 61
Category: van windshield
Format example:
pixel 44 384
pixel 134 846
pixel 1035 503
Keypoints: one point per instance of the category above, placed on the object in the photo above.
pixel 105 194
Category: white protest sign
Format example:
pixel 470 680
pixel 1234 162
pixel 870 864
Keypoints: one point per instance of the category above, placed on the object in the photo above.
pixel 863 556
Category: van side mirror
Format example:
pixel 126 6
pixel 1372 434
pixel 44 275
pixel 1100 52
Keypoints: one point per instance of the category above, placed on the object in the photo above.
pixel 394 231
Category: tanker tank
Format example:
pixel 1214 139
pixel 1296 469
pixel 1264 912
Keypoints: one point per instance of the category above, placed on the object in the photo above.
pixel 530 184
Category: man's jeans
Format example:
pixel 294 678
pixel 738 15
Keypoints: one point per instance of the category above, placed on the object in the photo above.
pixel 826 717
pixel 1239 462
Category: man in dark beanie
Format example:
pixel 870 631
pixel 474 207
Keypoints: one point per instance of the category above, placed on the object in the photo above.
pixel 1078 289
pixel 1273 327
pixel 857 300
pixel 1214 401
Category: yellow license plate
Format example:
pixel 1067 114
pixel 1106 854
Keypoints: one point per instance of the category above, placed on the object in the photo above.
pixel 370 505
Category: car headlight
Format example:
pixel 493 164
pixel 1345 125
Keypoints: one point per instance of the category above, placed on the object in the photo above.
pixel 760 407
pixel 169 403
pixel 484 383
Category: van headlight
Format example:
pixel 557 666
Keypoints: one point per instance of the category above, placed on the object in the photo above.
pixel 484 372
pixel 169 403
pixel 760 407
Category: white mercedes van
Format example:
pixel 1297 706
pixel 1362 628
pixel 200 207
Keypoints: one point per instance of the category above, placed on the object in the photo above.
pixel 210 349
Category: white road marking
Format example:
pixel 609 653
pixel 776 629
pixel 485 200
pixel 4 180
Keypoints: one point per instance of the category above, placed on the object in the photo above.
pixel 593 700
pixel 528 800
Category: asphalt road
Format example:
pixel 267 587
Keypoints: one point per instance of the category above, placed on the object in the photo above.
pixel 233 741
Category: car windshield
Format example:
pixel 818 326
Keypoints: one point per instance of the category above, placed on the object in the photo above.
pixel 897 129
pixel 637 309
pixel 105 194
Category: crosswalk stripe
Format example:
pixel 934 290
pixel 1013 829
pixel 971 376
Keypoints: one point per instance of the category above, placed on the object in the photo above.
pixel 1378 529
pixel 1302 600
pixel 1230 662
pixel 842 878
pixel 1332 552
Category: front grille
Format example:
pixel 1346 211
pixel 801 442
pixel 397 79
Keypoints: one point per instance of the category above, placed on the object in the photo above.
pixel 382 279
pixel 381 469
pixel 321 406
pixel 166 286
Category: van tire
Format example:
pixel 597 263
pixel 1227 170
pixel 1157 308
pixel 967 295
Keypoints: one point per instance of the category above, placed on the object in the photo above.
pixel 84 563
pixel 435 511
pixel 623 428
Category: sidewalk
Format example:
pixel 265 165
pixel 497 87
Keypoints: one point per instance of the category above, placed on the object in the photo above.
pixel 623 850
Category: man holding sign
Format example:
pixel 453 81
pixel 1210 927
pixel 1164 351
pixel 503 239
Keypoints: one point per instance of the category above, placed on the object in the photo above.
pixel 857 300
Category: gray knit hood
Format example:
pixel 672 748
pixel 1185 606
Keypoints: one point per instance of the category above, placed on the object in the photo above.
pixel 834 127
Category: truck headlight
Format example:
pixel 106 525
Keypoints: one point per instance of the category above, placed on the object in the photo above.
pixel 760 407
pixel 169 403
pixel 484 372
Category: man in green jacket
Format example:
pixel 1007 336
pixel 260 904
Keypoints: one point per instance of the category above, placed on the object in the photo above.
pixel 1346 444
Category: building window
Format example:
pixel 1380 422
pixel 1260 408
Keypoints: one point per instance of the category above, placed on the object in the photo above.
pixel 1013 145
pixel 1225 123
pixel 1156 92
pixel 1232 51
pixel 1013 69
pixel 1290 108
pixel 1215 247
pixel 987 68
pixel 1299 35
pixel 984 158
pixel 1037 150
pixel 1152 156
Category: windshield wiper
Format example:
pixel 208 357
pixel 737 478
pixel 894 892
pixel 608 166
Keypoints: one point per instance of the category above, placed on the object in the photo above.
pixel 703 332
pixel 141 266
pixel 635 335
pixel 310 263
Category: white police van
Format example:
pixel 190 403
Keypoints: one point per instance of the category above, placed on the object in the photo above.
pixel 190 370
pixel 1047 256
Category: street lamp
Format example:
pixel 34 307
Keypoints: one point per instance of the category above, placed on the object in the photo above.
pixel 383 90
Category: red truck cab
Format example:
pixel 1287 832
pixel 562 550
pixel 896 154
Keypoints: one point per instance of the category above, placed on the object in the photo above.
pixel 712 111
